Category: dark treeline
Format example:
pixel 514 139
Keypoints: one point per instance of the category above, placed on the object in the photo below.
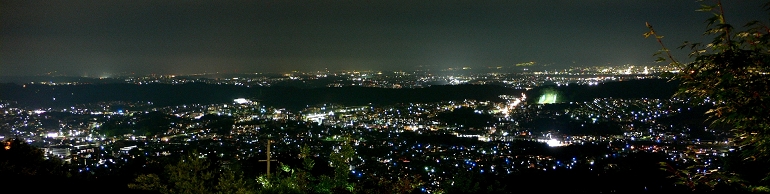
pixel 645 88
pixel 297 98
pixel 199 93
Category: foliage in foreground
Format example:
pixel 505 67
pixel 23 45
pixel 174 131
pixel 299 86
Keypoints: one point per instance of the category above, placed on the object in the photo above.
pixel 195 174
pixel 19 159
pixel 733 73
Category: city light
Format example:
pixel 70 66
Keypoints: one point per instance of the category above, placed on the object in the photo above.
pixel 241 101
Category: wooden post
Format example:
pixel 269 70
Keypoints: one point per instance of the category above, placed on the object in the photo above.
pixel 268 158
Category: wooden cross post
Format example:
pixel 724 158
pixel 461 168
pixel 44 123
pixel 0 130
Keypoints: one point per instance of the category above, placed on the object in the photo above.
pixel 268 158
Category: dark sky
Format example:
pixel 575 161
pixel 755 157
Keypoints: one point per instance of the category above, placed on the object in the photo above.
pixel 98 38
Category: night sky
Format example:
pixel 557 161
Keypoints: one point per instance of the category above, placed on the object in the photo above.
pixel 100 38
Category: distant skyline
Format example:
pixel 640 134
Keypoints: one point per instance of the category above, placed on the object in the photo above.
pixel 182 37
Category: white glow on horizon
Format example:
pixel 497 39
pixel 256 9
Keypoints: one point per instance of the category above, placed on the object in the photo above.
pixel 241 101
pixel 553 143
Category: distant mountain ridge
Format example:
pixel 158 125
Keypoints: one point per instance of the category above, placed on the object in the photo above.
pixel 56 79
pixel 38 95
